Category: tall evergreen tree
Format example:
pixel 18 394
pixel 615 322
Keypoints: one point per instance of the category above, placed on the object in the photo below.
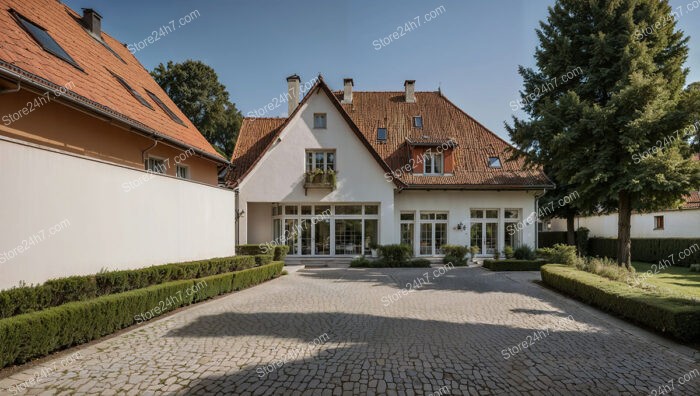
pixel 597 128
pixel 196 90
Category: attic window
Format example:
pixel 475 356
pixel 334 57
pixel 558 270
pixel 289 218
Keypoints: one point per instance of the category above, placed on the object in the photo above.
pixel 494 162
pixel 165 108
pixel 381 134
pixel 133 92
pixel 44 39
pixel 418 122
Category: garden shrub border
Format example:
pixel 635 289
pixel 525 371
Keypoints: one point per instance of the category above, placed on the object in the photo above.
pixel 56 292
pixel 37 334
pixel 514 265
pixel 672 316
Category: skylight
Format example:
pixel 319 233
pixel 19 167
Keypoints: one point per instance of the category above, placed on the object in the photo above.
pixel 381 134
pixel 44 39
pixel 165 108
pixel 418 122
pixel 494 162
pixel 133 92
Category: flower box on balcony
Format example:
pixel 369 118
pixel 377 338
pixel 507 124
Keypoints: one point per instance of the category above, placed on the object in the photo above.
pixel 320 179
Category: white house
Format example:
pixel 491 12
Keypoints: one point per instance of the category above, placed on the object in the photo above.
pixel 346 170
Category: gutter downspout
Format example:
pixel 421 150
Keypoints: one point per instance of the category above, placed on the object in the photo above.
pixel 143 152
pixel 235 208
pixel 537 211
pixel 13 90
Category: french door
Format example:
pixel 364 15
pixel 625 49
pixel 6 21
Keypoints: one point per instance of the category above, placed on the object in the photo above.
pixel 433 233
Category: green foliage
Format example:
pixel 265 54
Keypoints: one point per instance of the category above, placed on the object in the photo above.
pixel 280 252
pixel 621 95
pixel 508 251
pixel 474 250
pixel 196 90
pixel 667 314
pixel 455 254
pixel 395 255
pixel 37 334
pixel 524 252
pixel 559 254
pixel 582 241
pixel 651 250
pixel 514 265
pixel 56 292
pixel 363 262
pixel 252 249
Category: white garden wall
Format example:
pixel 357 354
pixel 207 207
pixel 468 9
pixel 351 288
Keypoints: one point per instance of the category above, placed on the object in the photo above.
pixel 82 219
pixel 677 224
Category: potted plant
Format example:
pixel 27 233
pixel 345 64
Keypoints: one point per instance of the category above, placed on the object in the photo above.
pixel 373 247
pixel 497 255
pixel 474 250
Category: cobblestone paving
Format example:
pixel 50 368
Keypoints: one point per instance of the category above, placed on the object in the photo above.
pixel 352 331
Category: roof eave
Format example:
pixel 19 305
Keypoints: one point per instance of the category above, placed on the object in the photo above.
pixel 475 187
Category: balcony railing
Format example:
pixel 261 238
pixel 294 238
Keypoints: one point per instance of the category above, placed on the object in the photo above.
pixel 320 179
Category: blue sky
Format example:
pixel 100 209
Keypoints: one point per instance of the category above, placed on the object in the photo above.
pixel 472 49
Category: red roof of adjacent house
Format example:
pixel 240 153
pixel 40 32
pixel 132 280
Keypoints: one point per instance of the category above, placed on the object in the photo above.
pixel 442 122
pixel 94 86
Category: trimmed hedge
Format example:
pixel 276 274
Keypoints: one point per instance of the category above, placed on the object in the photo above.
pixel 55 292
pixel 362 262
pixel 252 250
pixel 679 318
pixel 37 334
pixel 649 250
pixel 514 265
pixel 280 253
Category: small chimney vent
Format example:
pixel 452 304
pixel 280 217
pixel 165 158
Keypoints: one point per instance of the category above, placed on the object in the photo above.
pixel 347 92
pixel 93 22
pixel 293 92
pixel 410 87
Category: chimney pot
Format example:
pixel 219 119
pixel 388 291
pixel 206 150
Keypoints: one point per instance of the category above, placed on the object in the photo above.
pixel 293 92
pixel 347 92
pixel 410 87
pixel 93 22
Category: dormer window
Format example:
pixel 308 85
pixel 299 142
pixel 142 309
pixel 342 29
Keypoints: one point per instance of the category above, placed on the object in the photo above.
pixel 434 164
pixel 165 108
pixel 132 91
pixel 381 134
pixel 320 121
pixel 44 39
pixel 418 122
pixel 494 162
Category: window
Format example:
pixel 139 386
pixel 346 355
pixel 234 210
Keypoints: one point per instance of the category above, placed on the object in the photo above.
pixel 381 134
pixel 182 172
pixel 418 122
pixel 44 39
pixel 155 165
pixel 320 121
pixel 434 164
pixel 658 222
pixel 407 229
pixel 165 108
pixel 484 229
pixel 494 162
pixel 324 160
pixel 433 232
pixel 348 209
pixel 132 91
pixel 513 227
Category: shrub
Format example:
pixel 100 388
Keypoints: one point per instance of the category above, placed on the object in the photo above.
pixel 508 251
pixel 678 317
pixel 524 252
pixel 514 265
pixel 360 262
pixel 456 251
pixel 252 250
pixel 395 255
pixel 37 334
pixel 419 263
pixel 474 250
pixel 582 241
pixel 559 254
pixel 280 252
pixel 262 259
pixel 55 292
pixel 458 262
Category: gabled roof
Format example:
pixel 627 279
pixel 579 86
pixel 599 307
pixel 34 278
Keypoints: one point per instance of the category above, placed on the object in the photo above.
pixel 94 87
pixel 442 122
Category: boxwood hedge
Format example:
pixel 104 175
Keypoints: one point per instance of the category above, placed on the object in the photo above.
pixel 514 265
pixel 36 334
pixel 677 317
pixel 60 291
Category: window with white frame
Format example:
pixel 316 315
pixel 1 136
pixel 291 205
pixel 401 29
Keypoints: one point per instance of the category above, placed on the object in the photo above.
pixel 323 160
pixel 433 233
pixel 155 165
pixel 513 226
pixel 320 121
pixel 434 163
pixel 483 231
pixel 408 227
pixel 182 171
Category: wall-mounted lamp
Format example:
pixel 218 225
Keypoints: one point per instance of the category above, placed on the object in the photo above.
pixel 240 213
pixel 461 226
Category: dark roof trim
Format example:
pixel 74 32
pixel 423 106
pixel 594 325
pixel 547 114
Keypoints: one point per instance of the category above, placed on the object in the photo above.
pixel 13 72
pixel 472 187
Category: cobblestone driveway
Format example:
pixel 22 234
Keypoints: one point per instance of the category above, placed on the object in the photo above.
pixel 352 331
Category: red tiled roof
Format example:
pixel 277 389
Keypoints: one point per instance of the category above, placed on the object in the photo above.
pixel 692 201
pixel 442 122
pixel 94 87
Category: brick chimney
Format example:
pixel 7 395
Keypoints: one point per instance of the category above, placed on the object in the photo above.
pixel 293 89
pixel 92 21
pixel 410 87
pixel 347 92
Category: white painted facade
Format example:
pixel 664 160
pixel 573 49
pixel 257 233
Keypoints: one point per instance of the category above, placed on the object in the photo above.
pixel 677 224
pixel 67 215
pixel 278 178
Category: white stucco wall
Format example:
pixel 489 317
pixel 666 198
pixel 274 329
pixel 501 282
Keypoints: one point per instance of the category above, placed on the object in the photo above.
pixel 459 203
pixel 279 175
pixel 677 224
pixel 163 220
